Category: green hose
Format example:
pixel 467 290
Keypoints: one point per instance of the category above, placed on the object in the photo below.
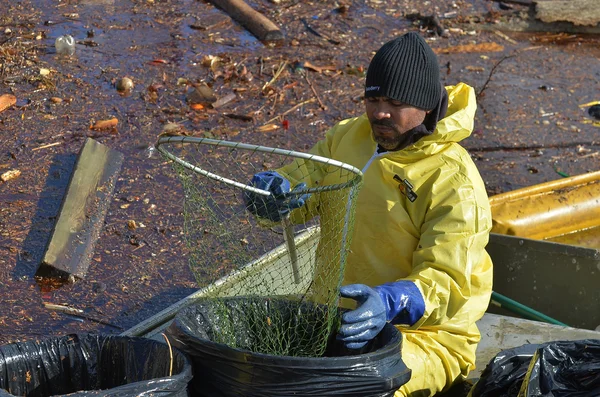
pixel 525 311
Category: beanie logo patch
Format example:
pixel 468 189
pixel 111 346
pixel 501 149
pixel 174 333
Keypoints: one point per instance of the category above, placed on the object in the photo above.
pixel 406 188
pixel 372 88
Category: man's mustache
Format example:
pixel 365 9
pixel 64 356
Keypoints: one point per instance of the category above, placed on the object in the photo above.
pixel 384 123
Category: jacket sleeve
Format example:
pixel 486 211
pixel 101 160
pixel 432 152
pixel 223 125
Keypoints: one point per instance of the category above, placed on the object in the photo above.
pixel 451 256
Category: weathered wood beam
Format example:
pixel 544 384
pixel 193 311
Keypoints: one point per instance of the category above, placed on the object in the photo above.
pixel 82 211
pixel 254 21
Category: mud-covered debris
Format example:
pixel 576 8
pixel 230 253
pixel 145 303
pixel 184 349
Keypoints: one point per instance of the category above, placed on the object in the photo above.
pixel 6 101
pixel 105 124
pixel 8 175
pixel 55 100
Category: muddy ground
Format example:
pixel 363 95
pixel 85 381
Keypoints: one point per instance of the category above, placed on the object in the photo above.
pixel 529 129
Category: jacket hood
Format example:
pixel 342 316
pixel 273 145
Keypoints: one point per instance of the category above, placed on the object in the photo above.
pixel 457 124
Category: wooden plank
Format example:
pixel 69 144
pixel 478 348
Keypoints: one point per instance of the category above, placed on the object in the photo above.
pixel 254 21
pixel 82 211
pixel 578 12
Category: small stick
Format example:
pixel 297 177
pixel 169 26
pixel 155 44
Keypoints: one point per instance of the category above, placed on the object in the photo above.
pixel 77 313
pixel 492 73
pixel 276 75
pixel 532 147
pixel 170 354
pixel 45 146
pixel 314 92
pixel 291 109
pixel 505 37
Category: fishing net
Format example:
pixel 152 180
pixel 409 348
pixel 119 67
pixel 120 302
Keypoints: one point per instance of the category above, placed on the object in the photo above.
pixel 234 253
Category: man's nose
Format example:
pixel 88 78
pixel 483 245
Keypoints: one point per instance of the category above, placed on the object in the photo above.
pixel 380 112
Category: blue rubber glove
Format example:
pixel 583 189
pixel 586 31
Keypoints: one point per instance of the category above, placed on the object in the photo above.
pixel 403 302
pixel 282 200
pixel 362 324
pixel 399 302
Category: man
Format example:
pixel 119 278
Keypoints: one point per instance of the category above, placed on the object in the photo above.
pixel 422 220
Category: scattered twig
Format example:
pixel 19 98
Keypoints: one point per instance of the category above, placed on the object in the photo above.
pixel 276 75
pixel 594 154
pixel 492 73
pixel 314 92
pixel 78 313
pixel 45 146
pixel 291 109
pixel 515 53
pixel 532 147
pixel 505 37
pixel 321 35
pixel 170 354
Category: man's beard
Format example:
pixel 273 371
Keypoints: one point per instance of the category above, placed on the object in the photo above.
pixel 390 141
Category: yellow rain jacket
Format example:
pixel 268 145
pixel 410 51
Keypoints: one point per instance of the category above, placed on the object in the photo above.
pixel 422 215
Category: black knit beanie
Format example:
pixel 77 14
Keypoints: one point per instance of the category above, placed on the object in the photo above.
pixel 405 69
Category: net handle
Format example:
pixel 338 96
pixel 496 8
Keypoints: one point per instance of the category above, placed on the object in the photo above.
pixel 163 140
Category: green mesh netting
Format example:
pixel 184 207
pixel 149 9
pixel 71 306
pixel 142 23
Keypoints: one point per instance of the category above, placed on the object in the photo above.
pixel 232 253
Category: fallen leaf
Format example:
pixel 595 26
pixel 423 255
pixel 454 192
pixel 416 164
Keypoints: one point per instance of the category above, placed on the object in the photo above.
pixel 105 124
pixel 197 106
pixel 468 48
pixel 6 101
pixel 8 175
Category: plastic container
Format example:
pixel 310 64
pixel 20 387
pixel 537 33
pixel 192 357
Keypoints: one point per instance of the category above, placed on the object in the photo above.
pixel 224 371
pixel 93 365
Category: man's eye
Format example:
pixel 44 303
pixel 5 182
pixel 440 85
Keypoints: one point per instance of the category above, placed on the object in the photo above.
pixel 371 99
pixel 396 103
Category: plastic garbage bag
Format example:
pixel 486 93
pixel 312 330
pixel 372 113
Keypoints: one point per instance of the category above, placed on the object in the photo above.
pixel 224 371
pixel 93 365
pixel 555 369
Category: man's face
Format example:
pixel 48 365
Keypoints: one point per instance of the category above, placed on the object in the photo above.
pixel 390 120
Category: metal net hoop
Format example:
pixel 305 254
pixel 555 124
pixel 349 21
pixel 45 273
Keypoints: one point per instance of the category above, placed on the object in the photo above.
pixel 232 253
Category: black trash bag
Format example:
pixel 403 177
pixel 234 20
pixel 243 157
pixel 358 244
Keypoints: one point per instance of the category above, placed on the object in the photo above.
pixel 223 371
pixel 93 365
pixel 554 369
